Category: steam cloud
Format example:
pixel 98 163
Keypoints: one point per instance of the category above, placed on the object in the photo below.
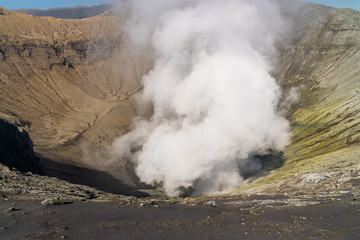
pixel 215 102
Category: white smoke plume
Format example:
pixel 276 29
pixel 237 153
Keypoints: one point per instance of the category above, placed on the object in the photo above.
pixel 215 102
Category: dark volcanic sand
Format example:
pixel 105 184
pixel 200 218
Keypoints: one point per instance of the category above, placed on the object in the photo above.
pixel 233 218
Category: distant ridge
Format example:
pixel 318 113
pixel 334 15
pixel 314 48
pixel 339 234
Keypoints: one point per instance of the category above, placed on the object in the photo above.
pixel 69 13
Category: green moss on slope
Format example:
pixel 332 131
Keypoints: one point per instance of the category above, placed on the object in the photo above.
pixel 324 62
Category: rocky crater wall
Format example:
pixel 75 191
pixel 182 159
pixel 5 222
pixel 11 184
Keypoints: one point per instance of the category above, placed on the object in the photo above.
pixel 16 149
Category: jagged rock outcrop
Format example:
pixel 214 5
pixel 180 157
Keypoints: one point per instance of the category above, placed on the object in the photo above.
pixel 16 149
pixel 17 185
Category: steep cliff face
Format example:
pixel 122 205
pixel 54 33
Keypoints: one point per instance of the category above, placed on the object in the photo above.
pixel 16 149
pixel 59 78
pixel 322 61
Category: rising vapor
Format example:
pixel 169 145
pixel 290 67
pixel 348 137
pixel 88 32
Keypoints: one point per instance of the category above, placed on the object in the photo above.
pixel 215 102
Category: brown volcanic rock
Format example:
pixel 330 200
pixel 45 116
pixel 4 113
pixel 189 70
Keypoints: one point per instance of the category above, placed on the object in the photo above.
pixel 59 78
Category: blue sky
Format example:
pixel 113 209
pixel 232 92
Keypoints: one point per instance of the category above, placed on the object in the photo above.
pixel 45 4
pixel 339 3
